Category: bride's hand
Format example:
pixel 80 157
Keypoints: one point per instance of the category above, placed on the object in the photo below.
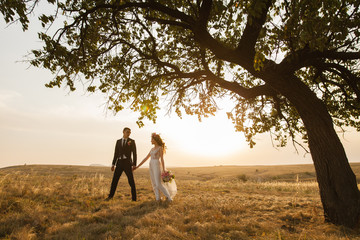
pixel 134 168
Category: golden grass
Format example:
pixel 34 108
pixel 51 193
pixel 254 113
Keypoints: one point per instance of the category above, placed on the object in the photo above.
pixel 66 202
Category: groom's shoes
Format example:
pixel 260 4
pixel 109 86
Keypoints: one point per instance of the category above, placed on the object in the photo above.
pixel 108 199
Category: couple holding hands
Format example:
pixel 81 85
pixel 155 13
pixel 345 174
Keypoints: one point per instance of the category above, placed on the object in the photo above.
pixel 122 162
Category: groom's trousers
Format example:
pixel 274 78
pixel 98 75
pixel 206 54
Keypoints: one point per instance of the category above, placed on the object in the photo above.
pixel 123 165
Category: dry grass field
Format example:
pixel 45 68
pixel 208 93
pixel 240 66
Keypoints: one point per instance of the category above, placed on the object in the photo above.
pixel 259 202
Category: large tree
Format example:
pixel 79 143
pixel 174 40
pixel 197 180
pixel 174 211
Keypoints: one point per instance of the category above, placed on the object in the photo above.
pixel 290 68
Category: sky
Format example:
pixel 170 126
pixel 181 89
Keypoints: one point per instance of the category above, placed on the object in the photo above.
pixel 39 125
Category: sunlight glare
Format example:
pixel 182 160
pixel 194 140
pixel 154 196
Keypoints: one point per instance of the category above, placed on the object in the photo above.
pixel 214 136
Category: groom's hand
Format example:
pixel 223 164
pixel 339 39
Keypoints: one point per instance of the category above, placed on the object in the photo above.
pixel 112 168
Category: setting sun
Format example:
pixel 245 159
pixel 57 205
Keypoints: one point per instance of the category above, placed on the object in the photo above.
pixel 214 136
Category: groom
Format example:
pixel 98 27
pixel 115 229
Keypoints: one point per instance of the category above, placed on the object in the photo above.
pixel 122 162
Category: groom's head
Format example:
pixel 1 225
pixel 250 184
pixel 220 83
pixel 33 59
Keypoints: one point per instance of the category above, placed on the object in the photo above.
pixel 126 132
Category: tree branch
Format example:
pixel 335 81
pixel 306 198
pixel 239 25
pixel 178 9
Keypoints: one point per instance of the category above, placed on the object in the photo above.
pixel 246 93
pixel 351 79
pixel 305 58
pixel 341 55
pixel 204 12
pixel 169 22
pixel 255 21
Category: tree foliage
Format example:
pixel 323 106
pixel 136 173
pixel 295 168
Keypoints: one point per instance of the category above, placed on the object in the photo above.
pixel 194 52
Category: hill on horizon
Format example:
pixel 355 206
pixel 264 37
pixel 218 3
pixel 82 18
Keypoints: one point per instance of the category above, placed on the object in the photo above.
pixel 301 172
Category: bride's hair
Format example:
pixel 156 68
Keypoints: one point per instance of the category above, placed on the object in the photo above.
pixel 159 141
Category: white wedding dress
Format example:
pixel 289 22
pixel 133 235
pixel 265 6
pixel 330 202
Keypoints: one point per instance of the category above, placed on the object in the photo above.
pixel 169 189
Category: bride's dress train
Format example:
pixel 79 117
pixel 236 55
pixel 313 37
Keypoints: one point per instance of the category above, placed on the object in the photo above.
pixel 169 189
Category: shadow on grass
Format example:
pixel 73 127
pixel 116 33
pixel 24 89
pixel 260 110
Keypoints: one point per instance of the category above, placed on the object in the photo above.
pixel 110 220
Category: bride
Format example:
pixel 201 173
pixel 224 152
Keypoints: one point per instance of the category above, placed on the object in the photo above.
pixel 157 158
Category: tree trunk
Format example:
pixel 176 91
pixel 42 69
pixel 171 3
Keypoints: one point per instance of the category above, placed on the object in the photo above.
pixel 337 182
pixel 339 193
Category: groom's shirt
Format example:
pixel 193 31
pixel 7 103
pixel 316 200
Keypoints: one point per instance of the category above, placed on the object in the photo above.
pixel 123 142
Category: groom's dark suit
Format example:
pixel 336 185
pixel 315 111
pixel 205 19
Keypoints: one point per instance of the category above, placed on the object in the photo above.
pixel 123 162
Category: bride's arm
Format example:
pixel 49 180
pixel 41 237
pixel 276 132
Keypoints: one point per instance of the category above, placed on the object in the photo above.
pixel 162 159
pixel 146 158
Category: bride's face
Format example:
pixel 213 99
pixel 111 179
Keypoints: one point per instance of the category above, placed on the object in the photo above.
pixel 153 141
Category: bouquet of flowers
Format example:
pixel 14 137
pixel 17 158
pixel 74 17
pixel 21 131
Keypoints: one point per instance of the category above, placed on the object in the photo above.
pixel 167 176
